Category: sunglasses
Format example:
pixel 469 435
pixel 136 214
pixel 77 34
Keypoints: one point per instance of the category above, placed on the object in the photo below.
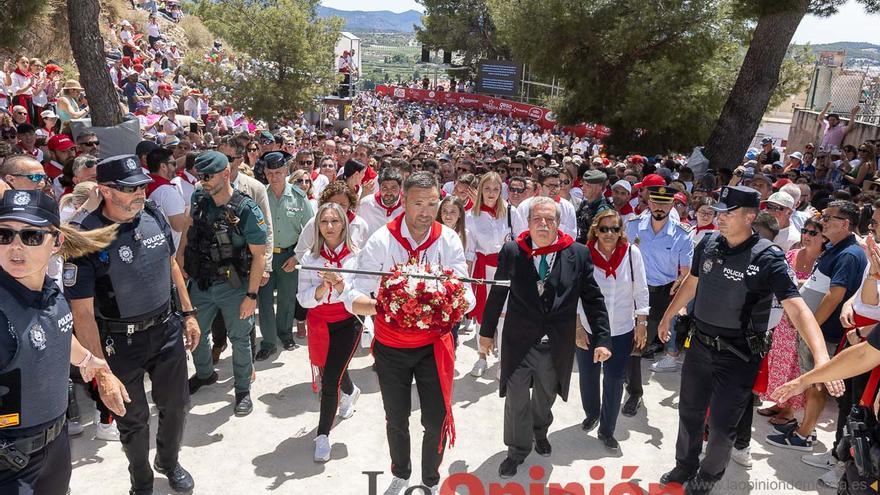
pixel 252 150
pixel 204 177
pixel 306 162
pixel 464 169
pixel 606 230
pixel 772 207
pixel 825 218
pixel 35 178
pixel 516 190
pixel 565 183
pixel 811 233
pixel 29 237
pixel 303 181
pixel 91 144
pixel 127 189
pixel 20 113
pixel 9 135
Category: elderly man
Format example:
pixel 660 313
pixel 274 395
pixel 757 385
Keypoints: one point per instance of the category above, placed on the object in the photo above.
pixel 781 206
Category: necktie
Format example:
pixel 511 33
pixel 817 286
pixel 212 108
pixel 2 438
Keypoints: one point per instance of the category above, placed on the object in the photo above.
pixel 543 267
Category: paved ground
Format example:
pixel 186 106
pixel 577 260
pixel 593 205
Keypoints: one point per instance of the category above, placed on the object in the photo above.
pixel 271 450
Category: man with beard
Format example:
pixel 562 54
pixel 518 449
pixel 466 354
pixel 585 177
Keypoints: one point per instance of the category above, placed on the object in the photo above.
pixel 593 187
pixel 382 207
pixel 63 151
pixel 667 250
pixel 621 194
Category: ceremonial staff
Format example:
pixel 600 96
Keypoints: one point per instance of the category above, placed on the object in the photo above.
pixel 502 283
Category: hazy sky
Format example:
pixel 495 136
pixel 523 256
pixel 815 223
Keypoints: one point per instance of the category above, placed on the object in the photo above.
pixel 851 24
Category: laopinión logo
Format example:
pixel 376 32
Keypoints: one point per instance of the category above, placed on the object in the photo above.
pixel 458 483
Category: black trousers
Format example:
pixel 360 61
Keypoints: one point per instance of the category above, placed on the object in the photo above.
pixel 47 473
pixel 658 298
pixel 395 369
pixel 528 405
pixel 344 338
pixel 723 383
pixel 158 351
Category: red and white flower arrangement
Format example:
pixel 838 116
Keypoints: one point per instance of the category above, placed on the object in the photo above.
pixel 416 304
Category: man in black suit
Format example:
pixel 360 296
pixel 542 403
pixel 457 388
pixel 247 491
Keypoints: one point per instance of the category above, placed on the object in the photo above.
pixel 548 275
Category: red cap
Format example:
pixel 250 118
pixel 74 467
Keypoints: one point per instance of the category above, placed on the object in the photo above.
pixel 138 67
pixel 50 68
pixel 781 182
pixel 651 180
pixel 680 196
pixel 60 142
pixel 166 87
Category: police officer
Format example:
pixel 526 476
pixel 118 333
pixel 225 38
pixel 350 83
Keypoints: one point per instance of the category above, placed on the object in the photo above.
pixel 734 277
pixel 667 250
pixel 593 187
pixel 130 304
pixel 224 256
pixel 34 448
pixel 290 210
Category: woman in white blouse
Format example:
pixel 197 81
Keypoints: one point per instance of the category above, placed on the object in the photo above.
pixel 620 273
pixel 333 331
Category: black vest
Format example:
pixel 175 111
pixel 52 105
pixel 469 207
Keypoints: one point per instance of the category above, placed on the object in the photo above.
pixel 211 252
pixel 722 298
pixel 36 377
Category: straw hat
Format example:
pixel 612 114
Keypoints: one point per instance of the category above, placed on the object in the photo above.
pixel 71 84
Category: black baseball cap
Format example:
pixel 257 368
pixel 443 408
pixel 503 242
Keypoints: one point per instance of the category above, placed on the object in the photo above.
pixel 31 207
pixel 733 197
pixel 122 170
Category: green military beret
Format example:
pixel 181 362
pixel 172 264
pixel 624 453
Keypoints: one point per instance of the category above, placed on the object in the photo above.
pixel 211 162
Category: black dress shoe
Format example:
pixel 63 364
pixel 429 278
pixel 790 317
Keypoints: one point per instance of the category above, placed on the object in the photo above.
pixel 195 383
pixel 610 443
pixel 590 424
pixel 264 354
pixel 542 447
pixel 677 475
pixel 179 479
pixel 700 485
pixel 243 404
pixel 289 344
pixel 508 466
pixel 631 406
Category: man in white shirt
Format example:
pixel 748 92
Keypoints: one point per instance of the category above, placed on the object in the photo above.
pixel 164 193
pixel 781 206
pixel 385 205
pixel 549 184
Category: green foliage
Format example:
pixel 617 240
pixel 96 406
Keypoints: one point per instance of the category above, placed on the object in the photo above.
pixel 16 18
pixel 794 74
pixel 286 54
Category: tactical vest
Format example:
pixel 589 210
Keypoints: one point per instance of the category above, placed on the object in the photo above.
pixel 137 283
pixel 211 255
pixel 722 299
pixel 35 381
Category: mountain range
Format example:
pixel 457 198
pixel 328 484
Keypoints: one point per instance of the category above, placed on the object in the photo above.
pixel 857 53
pixel 380 20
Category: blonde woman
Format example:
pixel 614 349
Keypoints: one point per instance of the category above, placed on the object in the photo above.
pixel 303 180
pixel 333 332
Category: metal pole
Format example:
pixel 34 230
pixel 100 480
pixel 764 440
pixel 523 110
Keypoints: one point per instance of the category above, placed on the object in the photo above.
pixel 482 281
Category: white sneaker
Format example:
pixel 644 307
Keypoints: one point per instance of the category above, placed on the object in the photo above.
pixel 397 486
pixel 823 461
pixel 832 476
pixel 322 448
pixel 74 428
pixel 346 404
pixel 479 368
pixel 742 457
pixel 666 364
pixel 108 433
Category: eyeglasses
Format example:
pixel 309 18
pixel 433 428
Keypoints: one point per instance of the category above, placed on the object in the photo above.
pixel 464 170
pixel 773 207
pixel 91 144
pixel 606 230
pixel 565 182
pixel 204 177
pixel 127 189
pixel 306 162
pixel 233 158
pixel 516 190
pixel 303 181
pixel 540 220
pixel 825 218
pixel 551 186
pixel 811 233
pixel 29 237
pixel 35 178
pixel 329 165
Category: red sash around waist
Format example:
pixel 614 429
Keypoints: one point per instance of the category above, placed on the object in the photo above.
pixel 480 291
pixel 319 334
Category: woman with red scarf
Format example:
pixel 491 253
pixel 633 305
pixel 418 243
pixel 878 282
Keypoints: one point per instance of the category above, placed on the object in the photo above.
pixel 705 223
pixel 333 331
pixel 620 272
pixel 488 227
pixel 23 86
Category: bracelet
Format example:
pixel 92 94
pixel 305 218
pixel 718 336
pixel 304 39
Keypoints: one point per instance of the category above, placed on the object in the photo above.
pixel 192 312
pixel 85 359
pixel 640 323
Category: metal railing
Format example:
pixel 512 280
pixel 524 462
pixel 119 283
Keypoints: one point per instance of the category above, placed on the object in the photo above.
pixel 845 89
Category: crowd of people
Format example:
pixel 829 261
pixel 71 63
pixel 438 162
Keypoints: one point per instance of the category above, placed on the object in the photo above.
pixel 618 251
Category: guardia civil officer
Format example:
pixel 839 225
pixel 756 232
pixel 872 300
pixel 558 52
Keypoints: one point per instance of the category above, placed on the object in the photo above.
pixel 224 256
pixel 734 277
pixel 130 304
pixel 34 353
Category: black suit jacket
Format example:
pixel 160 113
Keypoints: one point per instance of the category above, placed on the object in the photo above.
pixel 530 317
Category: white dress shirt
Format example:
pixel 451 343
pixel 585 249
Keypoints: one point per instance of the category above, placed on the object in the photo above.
pixel 376 215
pixel 309 281
pixel 486 233
pixel 625 298
pixel 567 223
pixel 866 310
pixel 358 229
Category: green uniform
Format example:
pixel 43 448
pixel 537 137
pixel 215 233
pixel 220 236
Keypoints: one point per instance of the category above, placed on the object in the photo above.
pixel 212 291
pixel 290 213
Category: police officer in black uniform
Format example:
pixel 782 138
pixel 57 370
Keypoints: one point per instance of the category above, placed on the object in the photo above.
pixel 130 304
pixel 34 353
pixel 734 277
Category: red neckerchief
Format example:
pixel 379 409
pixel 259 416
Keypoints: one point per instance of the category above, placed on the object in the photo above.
pixel 563 240
pixel 468 205
pixel 388 209
pixel 395 227
pixel 610 266
pixel 488 209
pixel 314 175
pixel 333 257
pixel 183 175
pixel 711 226
pixel 158 181
pixel 22 74
pixel 626 210
pixel 557 198
pixel 350 214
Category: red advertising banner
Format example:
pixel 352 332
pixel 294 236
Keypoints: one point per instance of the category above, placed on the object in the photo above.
pixel 539 115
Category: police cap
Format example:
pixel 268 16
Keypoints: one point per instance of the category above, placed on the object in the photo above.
pixel 661 194
pixel 122 170
pixel 276 159
pixel 211 162
pixel 733 197
pixel 594 177
pixel 31 207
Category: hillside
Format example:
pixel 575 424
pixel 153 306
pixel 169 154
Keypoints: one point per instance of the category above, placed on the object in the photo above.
pixel 858 54
pixel 382 20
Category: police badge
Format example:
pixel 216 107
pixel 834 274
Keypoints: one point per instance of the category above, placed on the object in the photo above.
pixel 707 266
pixel 21 198
pixel 125 254
pixel 38 336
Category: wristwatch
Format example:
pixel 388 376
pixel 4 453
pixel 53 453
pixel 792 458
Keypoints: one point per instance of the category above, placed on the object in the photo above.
pixel 252 295
pixel 192 312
